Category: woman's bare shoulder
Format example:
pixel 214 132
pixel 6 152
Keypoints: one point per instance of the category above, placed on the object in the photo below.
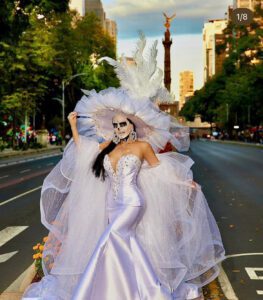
pixel 144 144
pixel 104 145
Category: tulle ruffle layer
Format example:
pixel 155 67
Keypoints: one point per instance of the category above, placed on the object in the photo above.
pixel 177 231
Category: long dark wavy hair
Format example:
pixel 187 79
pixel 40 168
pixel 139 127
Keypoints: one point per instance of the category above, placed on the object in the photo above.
pixel 98 168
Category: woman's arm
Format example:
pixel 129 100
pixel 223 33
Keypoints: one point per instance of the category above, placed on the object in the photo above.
pixel 149 155
pixel 72 118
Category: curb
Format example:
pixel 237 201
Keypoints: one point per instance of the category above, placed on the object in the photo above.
pixel 22 159
pixel 260 146
pixel 214 291
pixel 19 153
pixel 17 288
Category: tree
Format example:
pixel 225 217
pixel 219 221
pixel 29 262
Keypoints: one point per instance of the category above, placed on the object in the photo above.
pixel 235 95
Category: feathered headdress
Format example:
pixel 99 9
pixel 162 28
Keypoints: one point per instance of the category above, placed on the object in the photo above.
pixel 141 88
pixel 142 78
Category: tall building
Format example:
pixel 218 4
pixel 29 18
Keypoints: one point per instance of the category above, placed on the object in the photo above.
pixel 212 37
pixel 186 87
pixel 87 6
pixel 78 5
pixel 96 7
pixel 251 4
pixel 111 29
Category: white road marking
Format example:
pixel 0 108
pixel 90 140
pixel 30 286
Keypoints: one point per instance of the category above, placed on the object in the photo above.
pixel 244 254
pixel 226 285
pixel 21 195
pixel 25 171
pixel 50 164
pixel 9 233
pixel 5 176
pixel 7 256
pixel 252 273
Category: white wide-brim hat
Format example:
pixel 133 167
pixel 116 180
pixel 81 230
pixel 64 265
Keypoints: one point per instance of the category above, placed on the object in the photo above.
pixel 96 110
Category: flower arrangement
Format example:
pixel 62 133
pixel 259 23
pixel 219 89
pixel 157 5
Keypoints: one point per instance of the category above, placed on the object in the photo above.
pixel 38 253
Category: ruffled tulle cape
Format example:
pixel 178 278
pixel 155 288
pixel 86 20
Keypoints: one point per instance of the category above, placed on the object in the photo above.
pixel 177 230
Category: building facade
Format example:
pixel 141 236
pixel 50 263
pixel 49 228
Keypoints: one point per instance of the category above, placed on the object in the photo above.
pixel 95 6
pixel 78 5
pixel 111 29
pixel 251 4
pixel 212 37
pixel 186 86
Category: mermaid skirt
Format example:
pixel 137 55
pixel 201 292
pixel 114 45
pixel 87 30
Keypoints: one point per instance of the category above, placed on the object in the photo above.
pixel 119 268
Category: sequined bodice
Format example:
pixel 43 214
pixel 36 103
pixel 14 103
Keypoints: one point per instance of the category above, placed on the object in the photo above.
pixel 123 182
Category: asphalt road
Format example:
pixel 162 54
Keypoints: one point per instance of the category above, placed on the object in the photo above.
pixel 230 176
pixel 20 226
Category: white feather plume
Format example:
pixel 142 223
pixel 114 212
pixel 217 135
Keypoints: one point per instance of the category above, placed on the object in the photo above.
pixel 143 79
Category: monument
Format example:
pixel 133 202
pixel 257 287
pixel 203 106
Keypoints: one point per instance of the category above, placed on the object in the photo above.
pixel 167 42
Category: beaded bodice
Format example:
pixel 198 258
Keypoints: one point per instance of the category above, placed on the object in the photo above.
pixel 123 182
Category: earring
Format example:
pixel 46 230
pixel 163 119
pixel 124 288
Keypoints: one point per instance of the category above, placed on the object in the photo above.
pixel 133 136
pixel 115 139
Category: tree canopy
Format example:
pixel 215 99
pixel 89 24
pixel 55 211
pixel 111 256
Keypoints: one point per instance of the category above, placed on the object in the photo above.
pixel 235 95
pixel 49 46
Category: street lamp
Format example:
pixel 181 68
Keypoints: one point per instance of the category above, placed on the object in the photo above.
pixel 65 82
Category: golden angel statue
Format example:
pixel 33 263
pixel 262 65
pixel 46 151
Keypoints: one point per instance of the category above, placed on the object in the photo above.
pixel 169 20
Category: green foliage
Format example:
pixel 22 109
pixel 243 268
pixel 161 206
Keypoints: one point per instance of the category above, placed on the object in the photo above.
pixel 43 45
pixel 235 95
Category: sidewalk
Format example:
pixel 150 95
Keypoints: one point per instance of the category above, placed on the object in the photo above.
pixel 11 157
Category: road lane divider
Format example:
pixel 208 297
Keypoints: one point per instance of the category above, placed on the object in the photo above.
pixel 25 171
pixel 5 176
pixel 19 196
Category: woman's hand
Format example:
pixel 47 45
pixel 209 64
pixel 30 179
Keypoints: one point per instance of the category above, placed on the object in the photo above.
pixel 72 118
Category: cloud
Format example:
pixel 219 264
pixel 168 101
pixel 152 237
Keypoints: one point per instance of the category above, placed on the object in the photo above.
pixel 184 9
pixel 146 15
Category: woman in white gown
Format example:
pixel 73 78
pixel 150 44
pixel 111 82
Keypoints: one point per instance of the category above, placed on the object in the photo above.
pixel 125 222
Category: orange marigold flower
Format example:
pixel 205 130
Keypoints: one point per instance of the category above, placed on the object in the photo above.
pixel 41 247
pixel 45 239
pixel 35 247
pixel 40 255
pixel 35 256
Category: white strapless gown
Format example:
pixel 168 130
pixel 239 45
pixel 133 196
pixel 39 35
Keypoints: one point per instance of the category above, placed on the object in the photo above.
pixel 119 268
pixel 121 265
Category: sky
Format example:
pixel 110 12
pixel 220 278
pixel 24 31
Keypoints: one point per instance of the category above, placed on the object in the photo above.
pixel 186 30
